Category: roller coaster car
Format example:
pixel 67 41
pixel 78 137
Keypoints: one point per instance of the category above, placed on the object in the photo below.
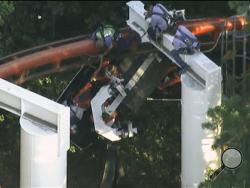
pixel 99 105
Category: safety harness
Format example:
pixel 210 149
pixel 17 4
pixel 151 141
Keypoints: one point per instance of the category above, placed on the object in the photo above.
pixel 189 41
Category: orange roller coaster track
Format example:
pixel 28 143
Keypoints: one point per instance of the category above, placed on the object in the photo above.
pixel 18 64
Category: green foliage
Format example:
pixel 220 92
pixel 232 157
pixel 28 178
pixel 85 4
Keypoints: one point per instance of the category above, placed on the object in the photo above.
pixel 32 23
pixel 153 156
pixel 48 86
pixel 234 117
pixel 1 118
pixel 9 150
pixel 6 8
pixel 240 6
pixel 72 149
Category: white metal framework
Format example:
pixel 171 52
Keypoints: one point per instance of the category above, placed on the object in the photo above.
pixel 104 93
pixel 45 137
pixel 201 65
pixel 201 89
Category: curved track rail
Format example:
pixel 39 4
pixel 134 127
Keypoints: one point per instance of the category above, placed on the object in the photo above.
pixel 41 47
pixel 69 54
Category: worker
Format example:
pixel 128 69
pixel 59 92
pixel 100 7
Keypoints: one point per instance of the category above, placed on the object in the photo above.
pixel 127 40
pixel 160 20
pixel 184 42
pixel 104 37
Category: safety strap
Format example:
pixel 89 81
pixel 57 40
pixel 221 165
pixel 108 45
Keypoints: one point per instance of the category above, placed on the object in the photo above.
pixel 189 48
pixel 183 40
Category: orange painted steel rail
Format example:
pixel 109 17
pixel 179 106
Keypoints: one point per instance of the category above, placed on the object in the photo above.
pixel 18 64
pixel 49 56
pixel 217 25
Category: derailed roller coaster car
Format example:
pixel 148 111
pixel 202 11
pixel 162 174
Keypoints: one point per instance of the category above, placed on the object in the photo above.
pixel 81 91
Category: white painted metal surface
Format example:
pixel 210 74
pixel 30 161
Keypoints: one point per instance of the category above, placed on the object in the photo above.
pixel 100 126
pixel 40 165
pixel 45 135
pixel 197 154
pixel 199 63
pixel 104 93
pixel 132 82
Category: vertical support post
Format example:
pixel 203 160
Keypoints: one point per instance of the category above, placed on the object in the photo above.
pixel 45 136
pixel 197 154
pixel 244 67
pixel 227 91
pixel 41 164
pixel 234 52
pixel 222 56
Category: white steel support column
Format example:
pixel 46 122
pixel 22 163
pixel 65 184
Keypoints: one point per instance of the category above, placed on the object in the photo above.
pixel 196 152
pixel 45 136
pixel 41 166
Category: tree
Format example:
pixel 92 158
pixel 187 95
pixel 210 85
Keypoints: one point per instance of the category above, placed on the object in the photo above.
pixel 234 117
pixel 6 8
pixel 241 7
pixel 36 23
